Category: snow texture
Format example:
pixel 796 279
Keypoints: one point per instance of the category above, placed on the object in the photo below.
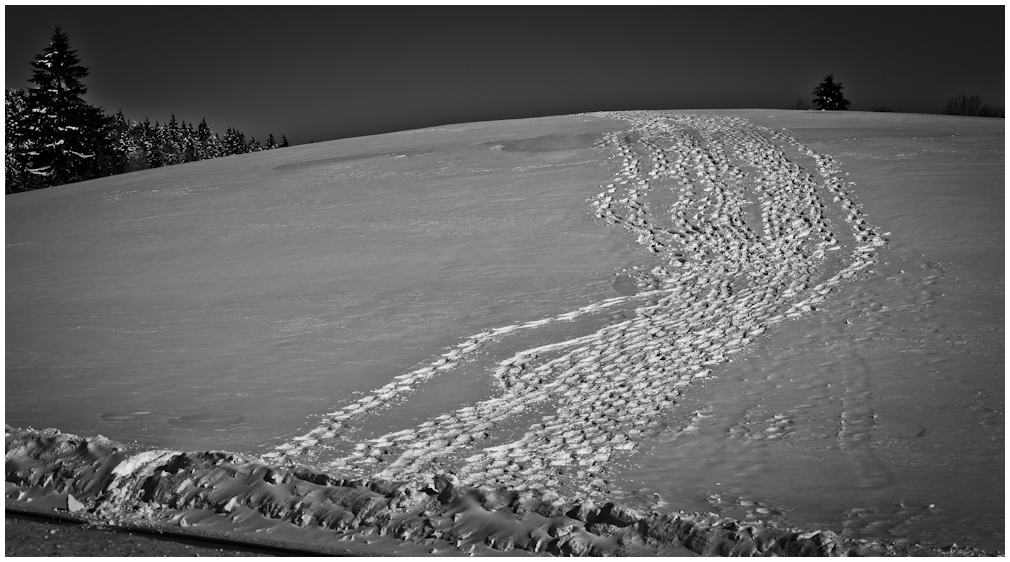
pixel 439 303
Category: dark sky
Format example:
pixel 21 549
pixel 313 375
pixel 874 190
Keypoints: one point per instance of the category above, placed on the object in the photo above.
pixel 325 72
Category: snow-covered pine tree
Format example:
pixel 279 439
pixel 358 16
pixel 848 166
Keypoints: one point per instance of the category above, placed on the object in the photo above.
pixel 202 138
pixel 126 145
pixel 147 143
pixel 234 142
pixel 190 144
pixel 67 138
pixel 158 158
pixel 216 145
pixel 254 145
pixel 284 142
pixel 173 143
pixel 138 137
pixel 15 147
pixel 829 95
pixel 271 143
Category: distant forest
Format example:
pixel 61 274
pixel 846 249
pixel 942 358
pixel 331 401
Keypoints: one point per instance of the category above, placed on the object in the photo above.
pixel 53 137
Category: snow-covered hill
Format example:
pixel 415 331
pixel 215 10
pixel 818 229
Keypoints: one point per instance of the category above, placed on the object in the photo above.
pixel 793 317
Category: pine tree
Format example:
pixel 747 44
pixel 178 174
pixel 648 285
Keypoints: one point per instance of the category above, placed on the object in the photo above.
pixel 284 142
pixel 67 139
pixel 208 142
pixel 226 141
pixel 271 143
pixel 138 155
pixel 172 139
pixel 125 147
pixel 15 139
pixel 106 160
pixel 234 142
pixel 190 144
pixel 158 158
pixel 148 138
pixel 829 95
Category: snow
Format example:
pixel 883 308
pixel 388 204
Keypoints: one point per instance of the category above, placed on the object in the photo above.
pixel 424 300
pixel 137 462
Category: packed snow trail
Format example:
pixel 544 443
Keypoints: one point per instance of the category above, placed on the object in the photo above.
pixel 717 281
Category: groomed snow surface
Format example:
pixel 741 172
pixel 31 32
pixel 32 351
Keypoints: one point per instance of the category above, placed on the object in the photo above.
pixel 623 332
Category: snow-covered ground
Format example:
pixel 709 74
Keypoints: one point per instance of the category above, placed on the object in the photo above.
pixel 777 316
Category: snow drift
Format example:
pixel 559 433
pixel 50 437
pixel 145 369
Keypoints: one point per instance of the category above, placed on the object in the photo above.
pixel 240 495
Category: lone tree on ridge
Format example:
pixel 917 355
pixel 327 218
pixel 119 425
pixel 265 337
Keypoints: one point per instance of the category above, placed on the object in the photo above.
pixel 829 95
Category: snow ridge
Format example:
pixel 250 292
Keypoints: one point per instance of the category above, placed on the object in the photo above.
pixel 108 482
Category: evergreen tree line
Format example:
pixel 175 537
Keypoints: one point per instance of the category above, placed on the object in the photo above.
pixel 138 146
pixel 54 137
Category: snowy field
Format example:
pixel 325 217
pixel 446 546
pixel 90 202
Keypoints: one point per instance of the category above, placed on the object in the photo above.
pixel 792 319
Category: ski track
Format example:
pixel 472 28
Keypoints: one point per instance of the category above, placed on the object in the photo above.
pixel 720 283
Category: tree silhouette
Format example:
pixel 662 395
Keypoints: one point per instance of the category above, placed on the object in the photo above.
pixel 970 105
pixel 68 139
pixel 829 95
